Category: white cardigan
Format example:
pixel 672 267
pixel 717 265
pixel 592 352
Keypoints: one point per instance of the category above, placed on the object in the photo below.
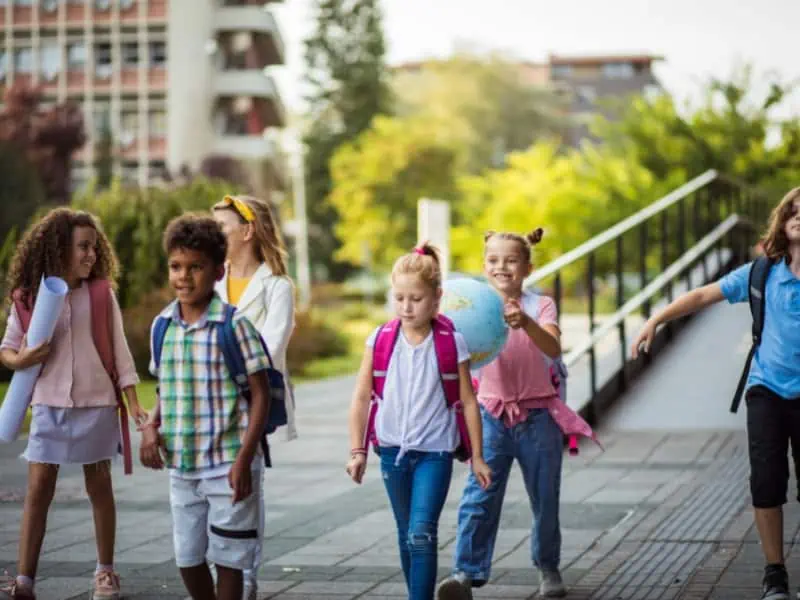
pixel 268 303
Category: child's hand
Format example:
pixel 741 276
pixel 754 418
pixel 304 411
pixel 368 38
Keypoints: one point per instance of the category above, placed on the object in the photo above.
pixel 356 467
pixel 645 338
pixel 482 472
pixel 150 450
pixel 514 315
pixel 240 480
pixel 138 414
pixel 27 357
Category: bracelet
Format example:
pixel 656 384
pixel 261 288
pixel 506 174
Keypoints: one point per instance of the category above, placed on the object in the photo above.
pixel 357 451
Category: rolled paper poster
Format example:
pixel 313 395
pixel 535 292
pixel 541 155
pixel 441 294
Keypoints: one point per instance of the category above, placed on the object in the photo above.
pixel 49 302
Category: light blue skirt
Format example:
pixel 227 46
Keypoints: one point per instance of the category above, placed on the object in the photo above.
pixel 69 436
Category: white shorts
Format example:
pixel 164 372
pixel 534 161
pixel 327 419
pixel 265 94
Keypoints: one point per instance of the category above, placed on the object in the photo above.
pixel 207 527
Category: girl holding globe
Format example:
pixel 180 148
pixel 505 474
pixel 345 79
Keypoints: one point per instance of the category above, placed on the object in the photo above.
pixel 523 418
pixel 416 430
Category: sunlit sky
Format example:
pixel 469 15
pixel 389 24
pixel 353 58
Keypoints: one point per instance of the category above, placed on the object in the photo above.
pixel 697 38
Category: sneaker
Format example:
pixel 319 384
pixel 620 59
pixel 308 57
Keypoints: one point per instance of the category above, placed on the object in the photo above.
pixel 455 587
pixel 11 590
pixel 551 585
pixel 106 586
pixel 775 585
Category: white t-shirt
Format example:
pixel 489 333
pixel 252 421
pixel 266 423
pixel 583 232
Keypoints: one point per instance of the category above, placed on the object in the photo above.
pixel 413 414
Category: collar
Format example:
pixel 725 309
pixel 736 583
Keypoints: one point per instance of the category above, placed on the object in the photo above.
pixel 214 313
pixel 783 274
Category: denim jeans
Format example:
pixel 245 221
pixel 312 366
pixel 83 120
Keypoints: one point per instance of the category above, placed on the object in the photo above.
pixel 417 489
pixel 538 445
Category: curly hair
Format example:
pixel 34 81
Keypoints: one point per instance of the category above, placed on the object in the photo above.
pixel 775 242
pixel 46 249
pixel 526 242
pixel 194 231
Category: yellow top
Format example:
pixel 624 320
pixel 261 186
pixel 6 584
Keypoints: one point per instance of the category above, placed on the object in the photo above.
pixel 236 287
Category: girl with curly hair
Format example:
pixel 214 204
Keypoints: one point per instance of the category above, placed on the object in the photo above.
pixel 78 393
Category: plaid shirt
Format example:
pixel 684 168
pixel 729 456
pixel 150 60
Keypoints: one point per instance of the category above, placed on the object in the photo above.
pixel 203 416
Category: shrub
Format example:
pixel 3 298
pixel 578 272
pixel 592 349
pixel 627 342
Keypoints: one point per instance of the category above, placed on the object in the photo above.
pixel 138 320
pixel 313 339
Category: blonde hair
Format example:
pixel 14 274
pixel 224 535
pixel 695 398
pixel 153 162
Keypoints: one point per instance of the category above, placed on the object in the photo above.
pixel 424 262
pixel 526 242
pixel 270 247
pixel 775 242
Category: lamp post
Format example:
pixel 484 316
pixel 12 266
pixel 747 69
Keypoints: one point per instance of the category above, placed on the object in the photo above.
pixel 296 150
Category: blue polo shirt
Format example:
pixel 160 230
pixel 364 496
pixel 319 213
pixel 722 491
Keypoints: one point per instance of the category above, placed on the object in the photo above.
pixel 776 364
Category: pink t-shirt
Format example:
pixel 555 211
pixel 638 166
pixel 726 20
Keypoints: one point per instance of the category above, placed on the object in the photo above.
pixel 73 375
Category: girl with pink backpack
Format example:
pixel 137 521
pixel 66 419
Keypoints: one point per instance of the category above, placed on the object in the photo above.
pixel 415 405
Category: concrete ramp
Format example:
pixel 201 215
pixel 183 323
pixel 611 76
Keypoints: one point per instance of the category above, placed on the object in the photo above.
pixel 690 384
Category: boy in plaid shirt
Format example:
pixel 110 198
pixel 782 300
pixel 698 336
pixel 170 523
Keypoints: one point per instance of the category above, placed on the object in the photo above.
pixel 208 433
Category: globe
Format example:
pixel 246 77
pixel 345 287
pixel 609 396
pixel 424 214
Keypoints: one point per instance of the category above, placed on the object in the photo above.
pixel 476 310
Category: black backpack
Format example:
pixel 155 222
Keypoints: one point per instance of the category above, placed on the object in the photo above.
pixel 757 286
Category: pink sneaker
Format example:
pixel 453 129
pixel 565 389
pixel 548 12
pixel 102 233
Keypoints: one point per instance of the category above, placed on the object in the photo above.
pixel 106 586
pixel 11 590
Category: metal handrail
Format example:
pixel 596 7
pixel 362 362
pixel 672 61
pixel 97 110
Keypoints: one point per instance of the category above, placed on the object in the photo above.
pixel 653 288
pixel 622 227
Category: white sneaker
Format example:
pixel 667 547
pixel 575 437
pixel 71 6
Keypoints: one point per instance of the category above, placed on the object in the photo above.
pixel 249 591
pixel 551 585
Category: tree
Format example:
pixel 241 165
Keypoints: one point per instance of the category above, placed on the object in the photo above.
pixel 47 137
pixel 377 181
pixel 347 79
pixel 486 102
pixel 104 165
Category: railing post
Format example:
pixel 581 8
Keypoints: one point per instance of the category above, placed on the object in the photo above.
pixel 643 265
pixel 682 239
pixel 557 294
pixel 592 357
pixel 623 341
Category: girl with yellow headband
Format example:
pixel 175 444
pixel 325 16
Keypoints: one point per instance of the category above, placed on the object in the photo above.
pixel 256 282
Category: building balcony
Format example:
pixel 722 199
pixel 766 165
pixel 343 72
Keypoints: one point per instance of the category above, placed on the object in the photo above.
pixel 256 85
pixel 255 20
pixel 245 147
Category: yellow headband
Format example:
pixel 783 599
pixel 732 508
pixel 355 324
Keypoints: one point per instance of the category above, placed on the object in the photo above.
pixel 240 207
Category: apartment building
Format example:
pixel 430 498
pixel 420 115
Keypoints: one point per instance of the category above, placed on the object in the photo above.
pixel 174 80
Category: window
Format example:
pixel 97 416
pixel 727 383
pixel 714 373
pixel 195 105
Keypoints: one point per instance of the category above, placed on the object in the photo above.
pixel 157 124
pixel 130 54
pixel 50 6
pixel 102 60
pixel 102 4
pixel 126 4
pixel 618 70
pixel 3 64
pixel 23 2
pixel 23 60
pixel 561 71
pixel 102 118
pixel 158 54
pixel 50 58
pixel 76 56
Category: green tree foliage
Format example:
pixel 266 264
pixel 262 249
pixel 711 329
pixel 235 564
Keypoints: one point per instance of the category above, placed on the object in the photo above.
pixel 104 165
pixel 347 81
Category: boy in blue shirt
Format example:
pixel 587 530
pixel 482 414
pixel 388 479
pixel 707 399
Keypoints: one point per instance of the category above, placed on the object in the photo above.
pixel 773 383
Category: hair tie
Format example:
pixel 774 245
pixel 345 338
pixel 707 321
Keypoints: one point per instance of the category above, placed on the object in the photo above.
pixel 420 251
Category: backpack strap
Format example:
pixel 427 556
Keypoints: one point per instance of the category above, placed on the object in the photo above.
pixel 444 343
pixel 235 363
pixel 159 333
pixel 385 341
pixel 757 286
pixel 103 337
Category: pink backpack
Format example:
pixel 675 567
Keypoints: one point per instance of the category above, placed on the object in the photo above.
pixel 447 356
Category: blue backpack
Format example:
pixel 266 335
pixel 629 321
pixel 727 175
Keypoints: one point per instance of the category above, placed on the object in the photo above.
pixel 234 361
